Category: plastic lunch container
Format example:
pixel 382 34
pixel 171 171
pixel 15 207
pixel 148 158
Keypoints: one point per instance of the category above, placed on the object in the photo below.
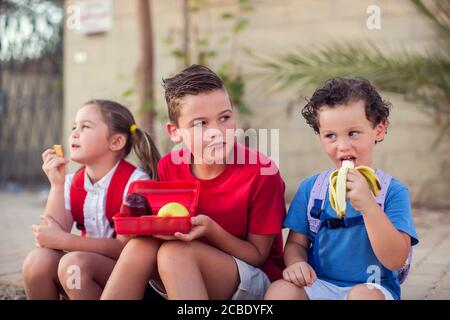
pixel 159 193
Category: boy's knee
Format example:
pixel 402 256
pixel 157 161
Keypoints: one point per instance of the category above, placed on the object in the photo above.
pixel 365 292
pixel 274 289
pixel 171 253
pixel 139 252
pixel 39 263
pixel 284 290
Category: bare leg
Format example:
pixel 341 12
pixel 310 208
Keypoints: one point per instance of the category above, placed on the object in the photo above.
pixel 365 292
pixel 40 274
pixel 91 270
pixel 285 290
pixel 135 267
pixel 194 270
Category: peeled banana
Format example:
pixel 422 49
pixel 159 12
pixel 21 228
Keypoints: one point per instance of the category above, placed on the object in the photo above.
pixel 338 185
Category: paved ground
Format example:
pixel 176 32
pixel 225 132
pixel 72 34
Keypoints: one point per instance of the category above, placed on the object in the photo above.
pixel 429 277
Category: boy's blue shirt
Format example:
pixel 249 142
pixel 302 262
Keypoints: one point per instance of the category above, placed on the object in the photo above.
pixel 346 255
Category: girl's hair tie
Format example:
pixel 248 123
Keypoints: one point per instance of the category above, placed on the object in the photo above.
pixel 133 128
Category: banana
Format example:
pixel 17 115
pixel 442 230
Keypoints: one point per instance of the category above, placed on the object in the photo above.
pixel 372 179
pixel 338 185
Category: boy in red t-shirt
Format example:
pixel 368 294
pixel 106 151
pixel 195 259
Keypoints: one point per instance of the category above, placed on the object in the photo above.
pixel 234 248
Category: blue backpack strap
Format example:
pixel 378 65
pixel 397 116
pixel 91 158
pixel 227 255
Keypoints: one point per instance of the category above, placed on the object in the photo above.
pixel 316 202
pixel 335 223
pixel 385 180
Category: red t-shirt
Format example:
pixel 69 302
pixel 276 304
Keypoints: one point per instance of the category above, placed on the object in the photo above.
pixel 240 199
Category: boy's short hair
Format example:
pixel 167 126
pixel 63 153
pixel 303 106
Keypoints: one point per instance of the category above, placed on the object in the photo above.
pixel 340 91
pixel 193 80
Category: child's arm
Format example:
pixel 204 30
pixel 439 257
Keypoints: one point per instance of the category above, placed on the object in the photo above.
pixel 109 247
pixel 254 250
pixel 296 248
pixel 54 168
pixel 390 246
pixel 51 235
pixel 298 270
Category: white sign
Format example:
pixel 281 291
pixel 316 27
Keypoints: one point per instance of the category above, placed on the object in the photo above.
pixel 95 16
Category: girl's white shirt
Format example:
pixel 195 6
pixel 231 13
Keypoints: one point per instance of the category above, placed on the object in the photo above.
pixel 95 221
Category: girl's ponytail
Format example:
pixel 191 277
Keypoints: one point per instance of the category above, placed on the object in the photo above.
pixel 146 151
pixel 120 120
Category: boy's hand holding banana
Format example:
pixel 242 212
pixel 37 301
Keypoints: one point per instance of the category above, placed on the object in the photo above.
pixel 356 184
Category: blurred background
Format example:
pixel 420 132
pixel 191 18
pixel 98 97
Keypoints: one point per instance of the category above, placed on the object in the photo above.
pixel 55 55
pixel 272 54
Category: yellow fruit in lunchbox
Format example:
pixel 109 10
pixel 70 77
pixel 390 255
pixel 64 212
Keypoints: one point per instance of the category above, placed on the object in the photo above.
pixel 173 209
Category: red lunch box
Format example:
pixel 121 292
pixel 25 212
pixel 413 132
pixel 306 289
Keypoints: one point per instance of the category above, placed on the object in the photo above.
pixel 159 193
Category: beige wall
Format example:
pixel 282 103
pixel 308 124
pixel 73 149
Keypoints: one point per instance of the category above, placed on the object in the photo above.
pixel 275 27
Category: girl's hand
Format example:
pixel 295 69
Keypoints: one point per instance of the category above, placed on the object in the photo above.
pixel 300 273
pixel 54 167
pixel 358 191
pixel 49 234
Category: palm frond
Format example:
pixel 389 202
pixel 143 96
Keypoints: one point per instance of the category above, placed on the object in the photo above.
pixel 412 75
pixel 438 13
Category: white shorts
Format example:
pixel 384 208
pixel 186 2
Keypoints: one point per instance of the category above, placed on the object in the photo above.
pixel 323 290
pixel 253 283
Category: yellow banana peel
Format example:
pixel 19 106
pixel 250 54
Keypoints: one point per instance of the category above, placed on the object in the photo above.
pixel 338 185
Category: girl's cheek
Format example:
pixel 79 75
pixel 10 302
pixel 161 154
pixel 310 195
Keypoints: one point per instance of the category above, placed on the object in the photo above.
pixel 232 124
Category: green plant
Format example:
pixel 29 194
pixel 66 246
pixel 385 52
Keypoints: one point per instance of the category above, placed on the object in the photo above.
pixel 196 46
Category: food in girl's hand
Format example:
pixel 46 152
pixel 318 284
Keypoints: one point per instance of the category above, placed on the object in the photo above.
pixel 59 150
pixel 135 205
pixel 173 209
pixel 338 185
